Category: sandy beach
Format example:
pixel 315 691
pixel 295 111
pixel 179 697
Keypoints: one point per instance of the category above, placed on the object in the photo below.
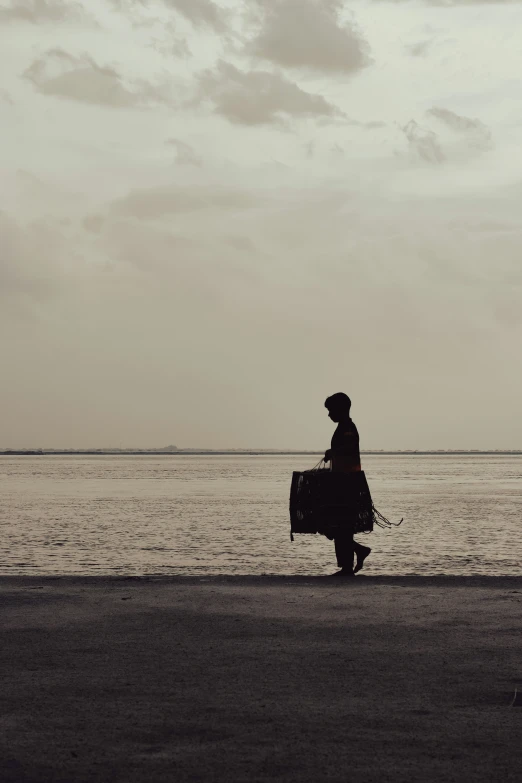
pixel 261 678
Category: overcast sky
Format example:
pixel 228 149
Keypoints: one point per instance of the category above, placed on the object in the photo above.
pixel 214 215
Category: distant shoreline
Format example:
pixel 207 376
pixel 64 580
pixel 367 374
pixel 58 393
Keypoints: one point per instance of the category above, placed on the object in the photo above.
pixel 237 453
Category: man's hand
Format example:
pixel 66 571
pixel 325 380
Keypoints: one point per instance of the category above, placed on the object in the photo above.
pixel 328 455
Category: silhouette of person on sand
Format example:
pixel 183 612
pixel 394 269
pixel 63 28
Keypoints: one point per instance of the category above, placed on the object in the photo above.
pixel 344 456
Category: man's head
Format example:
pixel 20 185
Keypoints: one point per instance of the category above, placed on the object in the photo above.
pixel 338 406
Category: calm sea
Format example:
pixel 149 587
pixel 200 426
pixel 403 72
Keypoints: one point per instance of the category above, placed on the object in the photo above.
pixel 229 515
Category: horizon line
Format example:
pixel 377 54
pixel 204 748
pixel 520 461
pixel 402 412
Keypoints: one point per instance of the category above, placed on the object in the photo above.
pixel 172 451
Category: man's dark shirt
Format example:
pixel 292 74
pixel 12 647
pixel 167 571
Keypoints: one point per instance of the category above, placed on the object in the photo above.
pixel 345 447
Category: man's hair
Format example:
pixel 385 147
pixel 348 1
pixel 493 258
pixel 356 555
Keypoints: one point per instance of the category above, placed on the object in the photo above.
pixel 341 401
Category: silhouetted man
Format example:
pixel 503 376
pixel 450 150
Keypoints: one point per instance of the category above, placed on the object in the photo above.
pixel 345 458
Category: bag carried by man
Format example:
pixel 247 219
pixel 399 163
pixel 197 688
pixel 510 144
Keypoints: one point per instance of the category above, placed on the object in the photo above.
pixel 324 501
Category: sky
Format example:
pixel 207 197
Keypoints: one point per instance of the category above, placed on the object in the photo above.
pixel 213 215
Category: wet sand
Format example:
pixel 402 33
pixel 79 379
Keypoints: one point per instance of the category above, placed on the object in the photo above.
pixel 258 679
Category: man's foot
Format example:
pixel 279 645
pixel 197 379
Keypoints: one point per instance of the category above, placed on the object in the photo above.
pixel 362 554
pixel 344 572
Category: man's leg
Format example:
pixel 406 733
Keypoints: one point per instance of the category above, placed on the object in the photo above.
pixel 344 551
pixel 362 553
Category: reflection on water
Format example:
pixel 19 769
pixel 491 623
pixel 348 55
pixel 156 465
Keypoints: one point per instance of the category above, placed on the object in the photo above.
pixel 229 514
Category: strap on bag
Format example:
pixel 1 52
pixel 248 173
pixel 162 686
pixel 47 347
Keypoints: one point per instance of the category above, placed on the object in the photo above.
pixel 321 462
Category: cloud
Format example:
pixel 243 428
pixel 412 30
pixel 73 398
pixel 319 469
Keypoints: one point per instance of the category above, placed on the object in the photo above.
pixel 423 143
pixel 477 134
pixel 185 154
pixel 152 203
pixel 373 124
pixel 171 44
pixel 455 137
pixel 259 97
pixel 5 97
pixel 154 250
pixel 308 34
pixel 202 13
pixel 36 11
pixel 94 224
pixel 28 259
pixel 419 49
pixel 455 3
pixel 82 79
pixel 144 281
pixel 450 3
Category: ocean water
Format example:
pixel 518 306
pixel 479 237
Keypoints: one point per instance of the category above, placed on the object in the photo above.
pixel 206 515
